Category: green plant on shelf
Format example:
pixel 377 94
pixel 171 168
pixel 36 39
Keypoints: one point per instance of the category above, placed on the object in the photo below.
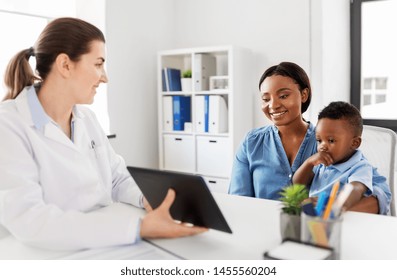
pixel 292 197
pixel 187 74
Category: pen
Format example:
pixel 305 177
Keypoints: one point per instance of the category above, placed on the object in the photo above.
pixel 331 200
pixel 93 147
pixel 341 199
pixel 320 203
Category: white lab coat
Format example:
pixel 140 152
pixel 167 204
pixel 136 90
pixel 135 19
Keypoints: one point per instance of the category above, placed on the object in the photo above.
pixel 59 194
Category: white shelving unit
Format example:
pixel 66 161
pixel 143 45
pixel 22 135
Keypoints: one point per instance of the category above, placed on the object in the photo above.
pixel 208 154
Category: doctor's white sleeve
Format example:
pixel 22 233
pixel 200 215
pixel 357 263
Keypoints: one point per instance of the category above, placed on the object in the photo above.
pixel 124 187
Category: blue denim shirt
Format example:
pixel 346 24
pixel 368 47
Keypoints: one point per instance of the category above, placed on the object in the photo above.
pixel 261 167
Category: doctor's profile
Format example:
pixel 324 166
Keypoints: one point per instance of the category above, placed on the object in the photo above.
pixel 62 185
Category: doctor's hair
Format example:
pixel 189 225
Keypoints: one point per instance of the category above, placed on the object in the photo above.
pixel 340 110
pixel 296 73
pixel 70 36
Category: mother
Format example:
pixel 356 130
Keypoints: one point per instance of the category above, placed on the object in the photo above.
pixel 269 156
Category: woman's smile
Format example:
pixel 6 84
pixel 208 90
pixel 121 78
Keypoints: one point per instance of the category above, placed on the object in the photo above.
pixel 277 115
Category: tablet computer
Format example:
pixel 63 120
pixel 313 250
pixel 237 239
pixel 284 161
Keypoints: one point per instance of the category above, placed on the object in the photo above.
pixel 193 203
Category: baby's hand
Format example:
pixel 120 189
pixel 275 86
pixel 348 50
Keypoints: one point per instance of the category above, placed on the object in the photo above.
pixel 312 199
pixel 321 157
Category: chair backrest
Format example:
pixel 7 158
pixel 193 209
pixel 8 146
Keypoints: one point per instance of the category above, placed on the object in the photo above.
pixel 379 147
pixel 3 232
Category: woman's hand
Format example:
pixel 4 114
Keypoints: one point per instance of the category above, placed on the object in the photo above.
pixel 158 223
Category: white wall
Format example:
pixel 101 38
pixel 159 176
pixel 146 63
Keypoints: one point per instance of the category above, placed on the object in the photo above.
pixel 330 53
pixel 135 31
pixel 273 30
pixel 312 33
pixel 45 8
pixel 94 12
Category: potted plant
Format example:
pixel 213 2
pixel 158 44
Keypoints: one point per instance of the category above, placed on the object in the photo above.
pixel 292 197
pixel 186 80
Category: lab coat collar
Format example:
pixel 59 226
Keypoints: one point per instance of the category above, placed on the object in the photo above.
pixel 22 106
pixel 31 109
pixel 78 128
pixel 39 116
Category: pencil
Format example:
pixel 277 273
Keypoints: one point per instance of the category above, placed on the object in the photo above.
pixel 331 200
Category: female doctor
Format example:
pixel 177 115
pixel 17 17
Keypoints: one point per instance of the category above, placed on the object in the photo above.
pixel 62 185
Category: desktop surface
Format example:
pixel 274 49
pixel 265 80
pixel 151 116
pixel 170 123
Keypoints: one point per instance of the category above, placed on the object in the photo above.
pixel 255 226
pixel 256 229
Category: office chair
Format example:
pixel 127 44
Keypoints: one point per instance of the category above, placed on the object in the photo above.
pixel 379 147
pixel 3 232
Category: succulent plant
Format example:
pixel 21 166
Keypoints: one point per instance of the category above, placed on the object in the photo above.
pixel 292 197
pixel 187 74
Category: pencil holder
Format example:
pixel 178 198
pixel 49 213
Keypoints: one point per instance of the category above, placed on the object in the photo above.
pixel 326 233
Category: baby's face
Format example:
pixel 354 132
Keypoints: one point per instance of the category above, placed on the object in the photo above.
pixel 337 138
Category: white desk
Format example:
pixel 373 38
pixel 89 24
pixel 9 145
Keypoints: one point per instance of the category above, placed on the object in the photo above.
pixel 255 225
pixel 11 249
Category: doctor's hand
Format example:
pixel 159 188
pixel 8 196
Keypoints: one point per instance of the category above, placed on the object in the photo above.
pixel 146 205
pixel 159 223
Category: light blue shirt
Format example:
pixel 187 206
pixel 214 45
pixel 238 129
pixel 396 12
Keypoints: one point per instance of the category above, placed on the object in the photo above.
pixel 261 167
pixel 39 116
pixel 356 169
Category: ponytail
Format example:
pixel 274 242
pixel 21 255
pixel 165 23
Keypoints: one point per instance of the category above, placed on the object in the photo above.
pixel 19 74
pixel 71 36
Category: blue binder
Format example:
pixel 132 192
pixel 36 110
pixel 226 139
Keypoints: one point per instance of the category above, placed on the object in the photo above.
pixel 173 79
pixel 163 80
pixel 181 110
pixel 206 111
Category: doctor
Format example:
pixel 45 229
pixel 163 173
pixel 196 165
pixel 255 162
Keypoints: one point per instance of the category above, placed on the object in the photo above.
pixel 62 185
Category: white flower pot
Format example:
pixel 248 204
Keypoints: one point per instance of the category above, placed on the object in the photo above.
pixel 186 84
pixel 290 226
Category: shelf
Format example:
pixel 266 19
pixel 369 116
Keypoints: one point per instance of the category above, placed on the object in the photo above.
pixel 213 92
pixel 196 134
pixel 213 134
pixel 190 93
pixel 185 93
pixel 227 109
pixel 174 132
